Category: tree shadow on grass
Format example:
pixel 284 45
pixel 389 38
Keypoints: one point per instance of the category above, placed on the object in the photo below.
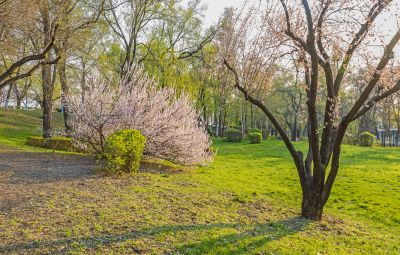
pixel 252 237
pixel 248 240
pixel 39 168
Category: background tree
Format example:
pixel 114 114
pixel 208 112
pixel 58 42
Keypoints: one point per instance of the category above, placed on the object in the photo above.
pixel 17 25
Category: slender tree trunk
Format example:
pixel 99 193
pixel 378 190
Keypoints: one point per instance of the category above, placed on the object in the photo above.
pixel 220 123
pixel 83 79
pixel 294 128
pixel 61 66
pixel 223 123
pixel 8 97
pixel 244 118
pixel 19 100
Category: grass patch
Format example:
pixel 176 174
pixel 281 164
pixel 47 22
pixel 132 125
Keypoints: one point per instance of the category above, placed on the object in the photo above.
pixel 17 125
pixel 246 202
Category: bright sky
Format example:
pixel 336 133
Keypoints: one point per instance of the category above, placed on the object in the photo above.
pixel 216 8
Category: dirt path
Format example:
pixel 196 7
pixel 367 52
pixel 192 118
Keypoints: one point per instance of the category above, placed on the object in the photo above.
pixel 24 175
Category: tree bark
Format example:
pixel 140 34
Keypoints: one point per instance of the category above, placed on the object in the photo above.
pixel 311 207
pixel 61 68
pixel 7 101
pixel 46 78
pixel 19 100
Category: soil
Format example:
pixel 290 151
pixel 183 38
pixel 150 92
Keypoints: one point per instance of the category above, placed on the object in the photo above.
pixel 24 175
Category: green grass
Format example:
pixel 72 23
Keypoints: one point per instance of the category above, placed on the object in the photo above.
pixel 246 202
pixel 17 125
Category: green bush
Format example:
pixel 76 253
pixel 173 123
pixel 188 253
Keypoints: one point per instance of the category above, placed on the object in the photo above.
pixel 367 139
pixel 233 135
pixel 255 137
pixel 253 130
pixel 124 150
pixel 55 143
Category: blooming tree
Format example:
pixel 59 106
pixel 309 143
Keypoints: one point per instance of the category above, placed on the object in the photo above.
pixel 327 39
pixel 170 123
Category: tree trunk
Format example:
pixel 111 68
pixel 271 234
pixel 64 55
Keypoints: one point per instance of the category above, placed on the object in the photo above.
pixel 61 66
pixel 7 101
pixel 311 207
pixel 46 78
pixel 19 100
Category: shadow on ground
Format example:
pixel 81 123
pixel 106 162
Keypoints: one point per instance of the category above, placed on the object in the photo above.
pixel 29 168
pixel 246 239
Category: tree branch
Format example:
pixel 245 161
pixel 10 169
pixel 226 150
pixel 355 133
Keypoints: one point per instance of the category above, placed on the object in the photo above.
pixel 296 155
pixel 358 38
pixel 9 72
pixel 375 77
pixel 366 107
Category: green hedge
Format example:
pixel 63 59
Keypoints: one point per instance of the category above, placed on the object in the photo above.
pixel 255 137
pixel 233 135
pixel 124 150
pixel 366 139
pixel 54 143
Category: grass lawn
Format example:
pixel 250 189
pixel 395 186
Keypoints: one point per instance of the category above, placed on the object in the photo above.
pixel 16 125
pixel 246 202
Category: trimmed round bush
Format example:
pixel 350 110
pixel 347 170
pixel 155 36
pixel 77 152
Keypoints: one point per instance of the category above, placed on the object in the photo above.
pixel 233 135
pixel 255 137
pixel 366 139
pixel 124 150
pixel 254 130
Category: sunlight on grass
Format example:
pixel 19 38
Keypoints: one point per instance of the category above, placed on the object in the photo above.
pixel 246 202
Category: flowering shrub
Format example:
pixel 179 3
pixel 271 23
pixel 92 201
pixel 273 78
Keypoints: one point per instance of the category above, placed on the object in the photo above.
pixel 169 123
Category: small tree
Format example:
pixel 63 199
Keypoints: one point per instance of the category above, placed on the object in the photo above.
pixel 325 37
pixel 169 123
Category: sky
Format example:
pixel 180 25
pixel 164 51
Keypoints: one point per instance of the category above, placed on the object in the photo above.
pixel 216 7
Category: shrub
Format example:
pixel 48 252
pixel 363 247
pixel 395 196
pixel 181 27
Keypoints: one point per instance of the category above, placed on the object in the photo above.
pixel 169 121
pixel 233 135
pixel 253 130
pixel 54 143
pixel 255 137
pixel 367 139
pixel 124 150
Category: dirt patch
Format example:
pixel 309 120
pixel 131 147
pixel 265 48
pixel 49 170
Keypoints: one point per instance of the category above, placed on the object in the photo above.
pixel 28 167
pixel 25 175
